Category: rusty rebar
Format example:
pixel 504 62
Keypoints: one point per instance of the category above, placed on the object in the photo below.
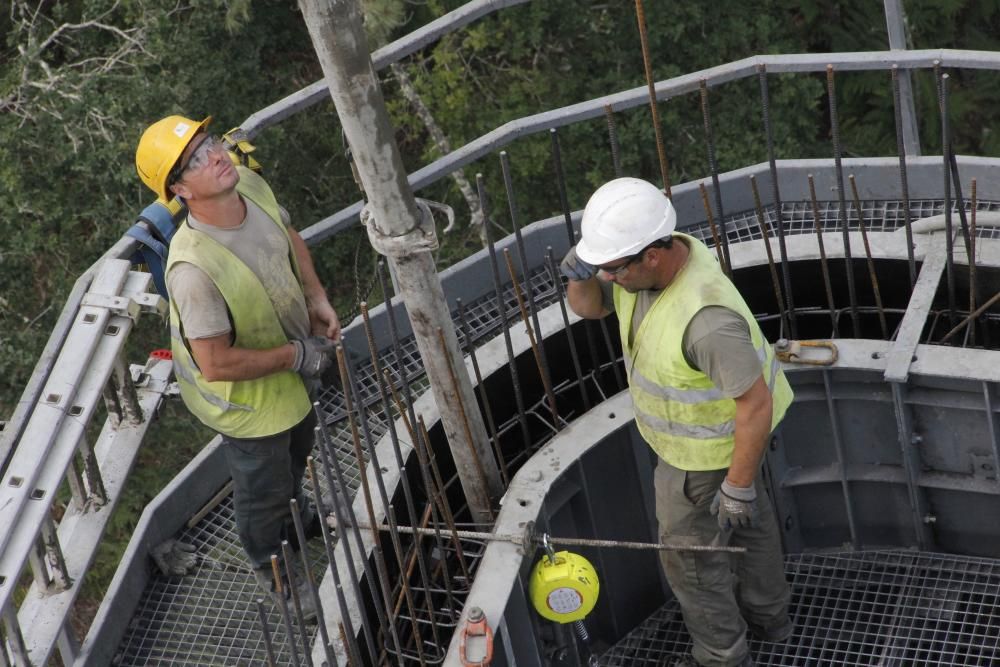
pixel 824 265
pixel 567 327
pixel 286 618
pixel 715 231
pixel 868 257
pixel 765 235
pixel 972 259
pixel 616 160
pixel 293 588
pixel 265 630
pixel 901 150
pixel 300 534
pixel 765 106
pixel 713 166
pixel 640 15
pixel 949 231
pixel 852 294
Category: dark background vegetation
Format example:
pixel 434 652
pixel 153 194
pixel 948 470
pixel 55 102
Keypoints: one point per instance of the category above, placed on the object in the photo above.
pixel 80 79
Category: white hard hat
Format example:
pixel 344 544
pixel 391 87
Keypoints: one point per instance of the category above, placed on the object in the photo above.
pixel 621 218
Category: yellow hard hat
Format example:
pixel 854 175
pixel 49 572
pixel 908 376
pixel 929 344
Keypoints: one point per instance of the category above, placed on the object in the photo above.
pixel 160 147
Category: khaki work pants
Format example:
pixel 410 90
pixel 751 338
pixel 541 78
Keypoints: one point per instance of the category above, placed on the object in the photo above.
pixel 717 591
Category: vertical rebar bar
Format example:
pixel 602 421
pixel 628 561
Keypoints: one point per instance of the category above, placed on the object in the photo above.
pixel 616 159
pixel 356 413
pixel 397 548
pixel 286 619
pixel 293 588
pixel 949 231
pixel 972 261
pixel 333 470
pixel 536 347
pixel 442 487
pixel 439 493
pixel 824 265
pixel 265 631
pixel 715 231
pixel 765 106
pixel 852 294
pixel 481 388
pixel 538 341
pixel 502 311
pixel 868 257
pixel 567 328
pixel 713 166
pixel 561 186
pixel 300 534
pixel 765 235
pixel 341 516
pixel 571 236
pixel 429 492
pixel 640 15
pixel 901 150
pixel 404 478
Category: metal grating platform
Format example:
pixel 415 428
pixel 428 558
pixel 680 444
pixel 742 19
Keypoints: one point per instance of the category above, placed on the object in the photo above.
pixel 887 608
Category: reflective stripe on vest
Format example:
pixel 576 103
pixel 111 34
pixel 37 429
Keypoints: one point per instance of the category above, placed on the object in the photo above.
pixel 249 408
pixel 680 413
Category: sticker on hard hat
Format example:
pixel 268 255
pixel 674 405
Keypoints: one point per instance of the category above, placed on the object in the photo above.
pixel 564 600
pixel 181 129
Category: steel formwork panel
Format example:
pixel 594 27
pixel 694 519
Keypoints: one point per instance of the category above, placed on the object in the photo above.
pixel 889 608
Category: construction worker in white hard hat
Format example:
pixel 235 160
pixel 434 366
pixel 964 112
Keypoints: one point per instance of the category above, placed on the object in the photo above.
pixel 251 327
pixel 707 393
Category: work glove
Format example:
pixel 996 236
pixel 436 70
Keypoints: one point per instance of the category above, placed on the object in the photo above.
pixel 735 507
pixel 313 356
pixel 174 559
pixel 575 268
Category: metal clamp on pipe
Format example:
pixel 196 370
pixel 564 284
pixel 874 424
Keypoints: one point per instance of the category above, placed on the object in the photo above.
pixel 790 351
pixel 421 238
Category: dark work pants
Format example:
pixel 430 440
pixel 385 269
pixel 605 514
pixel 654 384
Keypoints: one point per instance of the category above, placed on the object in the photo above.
pixel 717 590
pixel 267 473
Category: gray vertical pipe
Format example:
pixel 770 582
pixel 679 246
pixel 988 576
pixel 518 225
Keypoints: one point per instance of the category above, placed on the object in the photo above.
pixel 396 226
pixel 895 21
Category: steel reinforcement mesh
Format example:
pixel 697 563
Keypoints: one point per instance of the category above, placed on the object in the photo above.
pixel 209 617
pixel 887 608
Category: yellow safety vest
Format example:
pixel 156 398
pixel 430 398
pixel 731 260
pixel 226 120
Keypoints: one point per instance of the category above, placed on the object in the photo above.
pixel 681 414
pixel 245 408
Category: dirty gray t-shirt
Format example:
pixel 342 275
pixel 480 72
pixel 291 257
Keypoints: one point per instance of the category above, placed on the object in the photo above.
pixel 264 249
pixel 716 342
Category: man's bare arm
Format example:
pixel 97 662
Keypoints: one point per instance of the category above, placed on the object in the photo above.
pixel 220 361
pixel 753 427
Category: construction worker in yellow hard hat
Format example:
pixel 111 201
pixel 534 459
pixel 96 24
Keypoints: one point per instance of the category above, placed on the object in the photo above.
pixel 251 328
pixel 707 392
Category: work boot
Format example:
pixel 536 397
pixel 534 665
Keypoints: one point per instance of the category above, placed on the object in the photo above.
pixel 776 632
pixel 265 581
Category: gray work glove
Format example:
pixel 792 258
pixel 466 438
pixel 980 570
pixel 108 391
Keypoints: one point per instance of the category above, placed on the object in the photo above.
pixel 313 355
pixel 575 268
pixel 736 507
pixel 175 559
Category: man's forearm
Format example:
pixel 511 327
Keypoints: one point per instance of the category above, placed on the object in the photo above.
pixel 231 364
pixel 753 428
pixel 586 298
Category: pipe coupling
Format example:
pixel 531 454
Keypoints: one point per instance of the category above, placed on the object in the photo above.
pixel 421 238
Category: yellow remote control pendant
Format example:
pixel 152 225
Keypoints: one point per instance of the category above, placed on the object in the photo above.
pixel 565 590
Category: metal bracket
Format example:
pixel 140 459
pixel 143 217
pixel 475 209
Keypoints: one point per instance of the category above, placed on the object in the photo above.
pixel 422 238
pixel 129 307
pixel 983 466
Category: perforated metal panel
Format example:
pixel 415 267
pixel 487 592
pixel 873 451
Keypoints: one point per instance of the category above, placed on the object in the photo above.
pixel 890 608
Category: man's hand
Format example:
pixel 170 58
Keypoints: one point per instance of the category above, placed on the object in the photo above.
pixel 313 355
pixel 175 559
pixel 575 268
pixel 323 319
pixel 735 506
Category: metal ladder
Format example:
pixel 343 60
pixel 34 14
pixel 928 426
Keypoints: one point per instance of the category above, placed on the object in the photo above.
pixel 53 447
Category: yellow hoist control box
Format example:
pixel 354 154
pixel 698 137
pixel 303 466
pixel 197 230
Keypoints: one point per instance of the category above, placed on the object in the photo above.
pixel 564 590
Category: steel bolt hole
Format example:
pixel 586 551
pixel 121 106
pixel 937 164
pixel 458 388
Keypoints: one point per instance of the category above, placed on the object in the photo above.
pixel 16 481
pixel 76 411
pixel 90 318
pixel 522 502
pixel 53 398
pixel 112 330
pixel 37 494
pixel 611 416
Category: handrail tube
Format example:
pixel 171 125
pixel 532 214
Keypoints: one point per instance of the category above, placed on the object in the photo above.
pixel 665 90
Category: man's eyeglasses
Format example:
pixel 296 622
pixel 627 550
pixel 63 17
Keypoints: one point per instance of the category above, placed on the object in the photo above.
pixel 199 159
pixel 615 271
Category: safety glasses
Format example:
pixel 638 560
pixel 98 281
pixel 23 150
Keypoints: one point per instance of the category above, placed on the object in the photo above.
pixel 199 159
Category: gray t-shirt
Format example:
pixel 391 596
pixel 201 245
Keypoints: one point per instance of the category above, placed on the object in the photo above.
pixel 259 244
pixel 716 342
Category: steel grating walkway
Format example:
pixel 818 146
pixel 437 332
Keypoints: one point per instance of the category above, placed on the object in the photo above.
pixel 887 608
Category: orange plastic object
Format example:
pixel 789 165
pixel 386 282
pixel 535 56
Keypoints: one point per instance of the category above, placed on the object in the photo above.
pixel 476 644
